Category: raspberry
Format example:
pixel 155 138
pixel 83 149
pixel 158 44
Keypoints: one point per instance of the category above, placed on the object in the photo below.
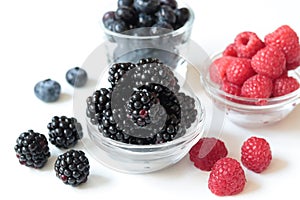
pixel 295 63
pixel 217 69
pixel 284 85
pixel 227 177
pixel 257 86
pixel 256 154
pixel 231 88
pixel 269 61
pixel 247 44
pixel 206 152
pixel 239 71
pixel 230 50
pixel 286 39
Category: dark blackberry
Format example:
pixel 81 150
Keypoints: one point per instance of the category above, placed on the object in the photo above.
pixel 97 104
pixel 117 71
pixel 64 132
pixel 146 6
pixel 47 90
pixel 76 77
pixel 32 149
pixel 72 167
pixel 188 110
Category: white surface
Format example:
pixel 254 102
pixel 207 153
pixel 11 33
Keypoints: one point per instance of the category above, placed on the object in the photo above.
pixel 43 39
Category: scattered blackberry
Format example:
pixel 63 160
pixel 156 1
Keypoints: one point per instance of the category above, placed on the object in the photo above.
pixel 64 132
pixel 76 77
pixel 32 149
pixel 47 90
pixel 117 70
pixel 72 167
pixel 97 103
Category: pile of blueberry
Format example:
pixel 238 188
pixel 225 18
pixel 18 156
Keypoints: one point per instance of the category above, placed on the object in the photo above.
pixel 132 14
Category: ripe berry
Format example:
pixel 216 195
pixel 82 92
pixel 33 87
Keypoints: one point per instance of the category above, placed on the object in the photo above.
pixel 64 132
pixel 269 61
pixel 172 3
pixel 32 149
pixel 108 18
pixel 182 16
pixel 206 152
pixel 247 44
pixel 227 177
pixel 146 6
pixel 217 70
pixel 47 90
pixel 230 50
pixel 72 167
pixel 231 88
pixel 125 3
pixel 127 14
pixel 286 39
pixel 76 77
pixel 284 85
pixel 166 13
pixel 256 154
pixel 239 71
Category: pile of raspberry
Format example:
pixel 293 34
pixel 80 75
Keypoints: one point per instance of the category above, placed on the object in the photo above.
pixel 254 68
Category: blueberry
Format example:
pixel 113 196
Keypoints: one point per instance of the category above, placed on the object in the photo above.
pixel 125 3
pixel 146 6
pixel 119 26
pixel 172 3
pixel 127 14
pixel 108 18
pixel 76 76
pixel 47 90
pixel 145 20
pixel 182 16
pixel 166 13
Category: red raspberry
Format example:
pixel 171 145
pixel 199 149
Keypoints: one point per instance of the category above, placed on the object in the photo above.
pixel 247 44
pixel 227 177
pixel 256 154
pixel 257 86
pixel 230 50
pixel 206 152
pixel 284 85
pixel 239 71
pixel 269 61
pixel 286 39
pixel 231 88
pixel 296 63
pixel 217 69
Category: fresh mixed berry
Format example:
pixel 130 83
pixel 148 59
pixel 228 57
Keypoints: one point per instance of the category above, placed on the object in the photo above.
pixel 76 77
pixel 131 14
pixel 143 105
pixel 47 90
pixel 72 167
pixel 64 132
pixel 253 68
pixel 32 149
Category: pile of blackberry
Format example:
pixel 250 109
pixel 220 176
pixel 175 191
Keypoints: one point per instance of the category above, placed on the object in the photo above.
pixel 143 105
pixel 132 14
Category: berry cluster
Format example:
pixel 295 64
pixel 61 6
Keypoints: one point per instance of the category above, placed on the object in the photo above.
pixel 253 68
pixel 143 105
pixel 227 176
pixel 132 14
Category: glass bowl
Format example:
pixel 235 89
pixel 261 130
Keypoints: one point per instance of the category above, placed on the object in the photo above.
pixel 247 112
pixel 149 41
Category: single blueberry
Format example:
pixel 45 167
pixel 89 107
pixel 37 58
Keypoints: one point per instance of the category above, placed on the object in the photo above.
pixel 166 13
pixel 125 3
pixel 127 14
pixel 146 6
pixel 172 3
pixel 145 20
pixel 108 18
pixel 76 77
pixel 182 16
pixel 47 90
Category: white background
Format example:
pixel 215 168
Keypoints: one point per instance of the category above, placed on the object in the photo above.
pixel 43 39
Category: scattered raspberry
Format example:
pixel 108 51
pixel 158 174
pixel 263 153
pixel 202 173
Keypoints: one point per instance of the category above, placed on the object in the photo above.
pixel 231 88
pixel 257 86
pixel 286 39
pixel 256 154
pixel 206 152
pixel 239 71
pixel 284 85
pixel 217 69
pixel 269 61
pixel 227 177
pixel 247 44
pixel 230 50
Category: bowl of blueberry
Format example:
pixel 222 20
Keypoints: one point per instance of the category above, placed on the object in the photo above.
pixel 139 118
pixel 255 81
pixel 147 28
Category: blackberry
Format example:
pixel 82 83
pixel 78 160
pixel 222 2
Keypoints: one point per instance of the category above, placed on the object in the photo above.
pixel 76 77
pixel 32 149
pixel 64 132
pixel 188 110
pixel 117 71
pixel 47 90
pixel 72 167
pixel 97 104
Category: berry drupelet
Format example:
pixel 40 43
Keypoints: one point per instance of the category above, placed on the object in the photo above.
pixel 72 167
pixel 32 149
pixel 64 132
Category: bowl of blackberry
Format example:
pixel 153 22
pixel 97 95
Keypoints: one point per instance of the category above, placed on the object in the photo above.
pixel 147 28
pixel 140 119
pixel 256 81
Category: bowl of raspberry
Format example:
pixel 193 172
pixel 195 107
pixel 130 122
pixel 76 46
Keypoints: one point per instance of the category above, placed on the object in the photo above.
pixel 147 28
pixel 140 119
pixel 256 81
